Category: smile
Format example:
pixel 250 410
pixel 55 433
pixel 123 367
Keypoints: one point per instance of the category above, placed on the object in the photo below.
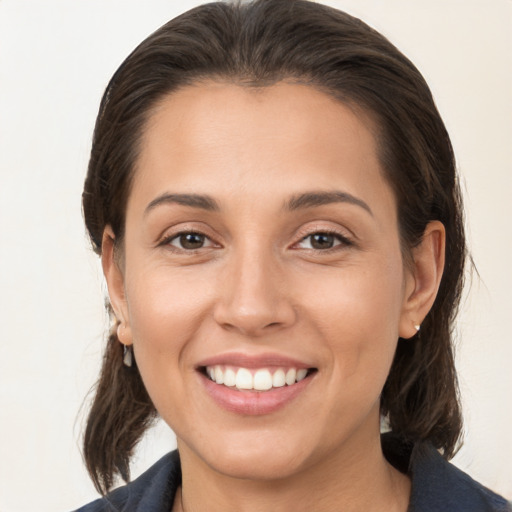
pixel 249 384
pixel 257 390
pixel 257 379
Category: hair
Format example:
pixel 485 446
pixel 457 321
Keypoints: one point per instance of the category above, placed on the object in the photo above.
pixel 260 43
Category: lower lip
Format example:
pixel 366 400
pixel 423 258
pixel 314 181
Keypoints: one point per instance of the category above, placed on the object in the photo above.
pixel 253 403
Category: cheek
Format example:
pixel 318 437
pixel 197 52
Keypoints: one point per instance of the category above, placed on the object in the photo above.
pixel 358 314
pixel 166 309
pixel 166 312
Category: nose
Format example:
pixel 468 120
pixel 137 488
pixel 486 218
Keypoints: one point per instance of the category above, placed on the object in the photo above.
pixel 253 296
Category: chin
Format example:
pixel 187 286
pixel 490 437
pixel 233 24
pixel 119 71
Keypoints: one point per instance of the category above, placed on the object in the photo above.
pixel 257 466
pixel 255 457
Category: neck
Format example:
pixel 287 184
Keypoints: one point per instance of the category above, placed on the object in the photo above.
pixel 353 480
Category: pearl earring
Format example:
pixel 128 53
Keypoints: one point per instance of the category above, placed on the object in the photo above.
pixel 128 355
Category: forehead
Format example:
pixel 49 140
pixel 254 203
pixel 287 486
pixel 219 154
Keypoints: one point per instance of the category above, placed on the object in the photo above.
pixel 218 137
pixel 205 113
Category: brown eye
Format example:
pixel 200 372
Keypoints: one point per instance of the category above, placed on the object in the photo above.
pixel 322 241
pixel 190 241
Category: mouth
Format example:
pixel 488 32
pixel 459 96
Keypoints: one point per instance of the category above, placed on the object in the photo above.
pixel 254 385
pixel 262 379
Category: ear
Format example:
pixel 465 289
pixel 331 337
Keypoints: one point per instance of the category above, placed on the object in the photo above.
pixel 423 278
pixel 115 284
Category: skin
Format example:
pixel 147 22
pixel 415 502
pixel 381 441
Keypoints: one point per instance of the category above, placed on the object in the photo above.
pixel 258 285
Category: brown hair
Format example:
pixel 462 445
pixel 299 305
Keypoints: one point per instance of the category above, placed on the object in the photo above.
pixel 260 43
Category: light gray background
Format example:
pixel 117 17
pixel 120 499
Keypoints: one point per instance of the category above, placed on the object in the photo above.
pixel 56 57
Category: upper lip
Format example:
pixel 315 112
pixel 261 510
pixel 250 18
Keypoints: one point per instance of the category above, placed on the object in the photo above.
pixel 253 361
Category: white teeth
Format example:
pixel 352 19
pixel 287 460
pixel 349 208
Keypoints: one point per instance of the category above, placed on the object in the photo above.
pixel 219 375
pixel 301 374
pixel 290 376
pixel 260 380
pixel 278 379
pixel 230 378
pixel 243 379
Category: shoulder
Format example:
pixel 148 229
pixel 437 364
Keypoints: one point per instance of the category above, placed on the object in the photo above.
pixel 153 490
pixel 438 485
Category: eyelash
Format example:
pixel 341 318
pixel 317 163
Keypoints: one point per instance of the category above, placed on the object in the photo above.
pixel 176 236
pixel 342 240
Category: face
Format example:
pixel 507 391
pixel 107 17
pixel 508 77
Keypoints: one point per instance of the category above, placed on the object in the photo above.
pixel 262 251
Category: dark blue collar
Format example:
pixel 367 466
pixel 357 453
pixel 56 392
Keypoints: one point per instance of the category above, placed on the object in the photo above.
pixel 437 486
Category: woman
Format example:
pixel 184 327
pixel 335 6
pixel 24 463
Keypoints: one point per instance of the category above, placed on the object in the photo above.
pixel 274 199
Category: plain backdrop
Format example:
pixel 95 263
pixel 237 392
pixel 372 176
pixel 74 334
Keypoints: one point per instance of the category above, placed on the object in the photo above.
pixel 56 57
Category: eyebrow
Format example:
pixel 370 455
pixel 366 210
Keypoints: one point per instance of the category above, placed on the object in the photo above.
pixel 296 202
pixel 320 198
pixel 203 202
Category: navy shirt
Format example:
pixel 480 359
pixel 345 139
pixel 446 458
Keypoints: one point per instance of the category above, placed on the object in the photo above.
pixel 437 485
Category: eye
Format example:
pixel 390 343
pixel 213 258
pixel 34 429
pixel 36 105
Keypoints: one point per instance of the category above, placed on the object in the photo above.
pixel 190 241
pixel 322 241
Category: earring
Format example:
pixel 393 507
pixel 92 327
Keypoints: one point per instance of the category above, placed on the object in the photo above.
pixel 417 327
pixel 128 355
